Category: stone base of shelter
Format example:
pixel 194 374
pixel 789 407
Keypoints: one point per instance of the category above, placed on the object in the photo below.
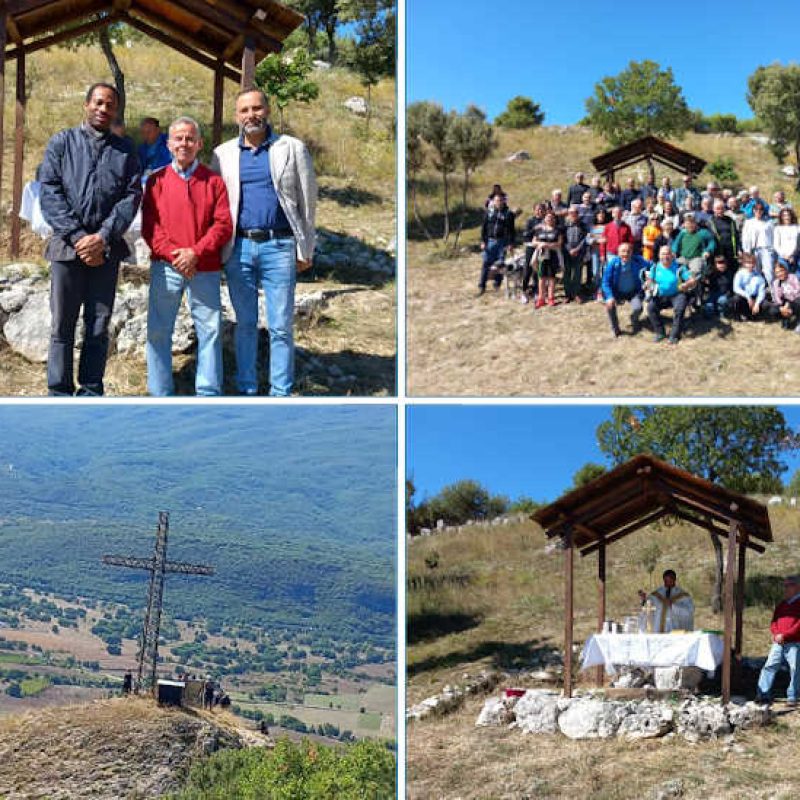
pixel 591 716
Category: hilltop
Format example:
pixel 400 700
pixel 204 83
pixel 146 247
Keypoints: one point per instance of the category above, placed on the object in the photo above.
pixel 109 749
pixel 492 599
pixel 347 345
pixel 460 345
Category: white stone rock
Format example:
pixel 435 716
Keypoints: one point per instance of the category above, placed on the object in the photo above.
pixel 676 678
pixel 496 711
pixel 520 155
pixel 320 64
pixel 749 715
pixel 28 331
pixel 537 711
pixel 647 721
pixel 356 105
pixel 698 719
pixel 590 719
pixel 13 299
pixel 789 171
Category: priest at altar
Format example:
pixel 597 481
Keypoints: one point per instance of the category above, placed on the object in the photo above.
pixel 674 607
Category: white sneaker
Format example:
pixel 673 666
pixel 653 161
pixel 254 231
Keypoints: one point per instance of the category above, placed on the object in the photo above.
pixel 524 300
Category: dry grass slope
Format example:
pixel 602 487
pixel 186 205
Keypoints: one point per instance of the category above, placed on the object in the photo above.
pixel 495 599
pixel 113 749
pixel 459 345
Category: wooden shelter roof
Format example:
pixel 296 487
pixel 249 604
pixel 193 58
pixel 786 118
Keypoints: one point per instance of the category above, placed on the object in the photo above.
pixel 649 147
pixel 642 491
pixel 207 30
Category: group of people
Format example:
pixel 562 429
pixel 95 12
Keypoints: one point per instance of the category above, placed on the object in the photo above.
pixel 724 253
pixel 673 603
pixel 251 213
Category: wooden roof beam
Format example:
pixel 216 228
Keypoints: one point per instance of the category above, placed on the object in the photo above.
pixel 64 36
pixel 180 46
pixel 642 522
pixel 711 528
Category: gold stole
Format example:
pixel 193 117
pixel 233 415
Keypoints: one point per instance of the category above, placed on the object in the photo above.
pixel 666 602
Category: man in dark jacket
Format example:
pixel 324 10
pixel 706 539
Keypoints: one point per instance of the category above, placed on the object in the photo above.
pixel 785 629
pixel 90 193
pixel 497 233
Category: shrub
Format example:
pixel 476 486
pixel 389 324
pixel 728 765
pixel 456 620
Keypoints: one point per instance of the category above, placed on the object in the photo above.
pixel 723 169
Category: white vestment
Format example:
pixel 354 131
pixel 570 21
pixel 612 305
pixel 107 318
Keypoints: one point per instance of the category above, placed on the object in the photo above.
pixel 673 613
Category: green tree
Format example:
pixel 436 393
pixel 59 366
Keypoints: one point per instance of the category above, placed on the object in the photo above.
pixel 473 141
pixel 587 473
pixel 642 100
pixel 284 78
pixel 465 500
pixel 374 52
pixel 524 505
pixel 739 447
pixel 321 16
pixel 435 130
pixel 521 112
pixel 773 93
pixel 793 487
pixel 415 157
pixel 723 169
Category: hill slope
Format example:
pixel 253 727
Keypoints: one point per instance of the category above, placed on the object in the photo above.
pixel 109 750
pixel 494 600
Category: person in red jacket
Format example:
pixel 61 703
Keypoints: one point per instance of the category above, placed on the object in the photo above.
pixel 186 221
pixel 785 629
pixel 617 232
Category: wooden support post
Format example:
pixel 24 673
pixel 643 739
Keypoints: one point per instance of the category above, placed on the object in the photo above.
pixel 727 606
pixel 219 83
pixel 3 40
pixel 248 63
pixel 569 564
pixel 601 603
pixel 737 646
pixel 19 155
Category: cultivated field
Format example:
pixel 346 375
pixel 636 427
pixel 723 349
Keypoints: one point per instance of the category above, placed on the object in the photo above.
pixel 494 601
pixel 461 345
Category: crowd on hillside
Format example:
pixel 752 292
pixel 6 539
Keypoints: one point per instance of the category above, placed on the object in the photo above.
pixel 652 246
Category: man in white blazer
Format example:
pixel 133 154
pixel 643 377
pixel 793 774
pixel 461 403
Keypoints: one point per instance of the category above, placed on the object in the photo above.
pixel 272 191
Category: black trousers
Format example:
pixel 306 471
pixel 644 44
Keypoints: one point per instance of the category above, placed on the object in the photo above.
pixel 74 285
pixel 679 302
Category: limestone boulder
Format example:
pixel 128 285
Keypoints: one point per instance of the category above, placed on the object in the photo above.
pixel 537 711
pixel 28 330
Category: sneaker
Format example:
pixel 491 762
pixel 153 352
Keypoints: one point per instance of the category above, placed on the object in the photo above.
pixel 797 329
pixel 659 337
pixel 524 300
pixel 763 700
pixel 672 341
pixel 599 297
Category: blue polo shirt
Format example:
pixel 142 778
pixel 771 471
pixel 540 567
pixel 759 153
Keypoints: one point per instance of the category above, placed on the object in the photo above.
pixel 258 201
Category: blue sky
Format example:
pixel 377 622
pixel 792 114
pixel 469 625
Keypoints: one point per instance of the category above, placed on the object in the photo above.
pixel 512 450
pixel 463 51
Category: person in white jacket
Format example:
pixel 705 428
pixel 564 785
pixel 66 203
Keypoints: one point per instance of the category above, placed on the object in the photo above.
pixel 785 238
pixel 757 238
pixel 272 192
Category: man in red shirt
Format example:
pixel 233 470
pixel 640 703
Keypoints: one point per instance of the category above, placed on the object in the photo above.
pixel 186 221
pixel 617 232
pixel 785 629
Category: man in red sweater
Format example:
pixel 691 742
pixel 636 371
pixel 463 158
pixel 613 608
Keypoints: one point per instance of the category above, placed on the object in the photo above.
pixel 617 232
pixel 186 220
pixel 785 629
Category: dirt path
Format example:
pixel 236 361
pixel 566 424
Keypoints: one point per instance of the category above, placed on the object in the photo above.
pixel 460 345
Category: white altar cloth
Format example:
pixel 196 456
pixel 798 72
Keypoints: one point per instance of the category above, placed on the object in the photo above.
pixel 695 649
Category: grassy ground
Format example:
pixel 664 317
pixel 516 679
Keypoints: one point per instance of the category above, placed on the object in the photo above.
pixel 356 171
pixel 461 345
pixel 494 600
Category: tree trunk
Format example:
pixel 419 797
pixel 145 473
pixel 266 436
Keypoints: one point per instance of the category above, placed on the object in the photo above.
pixel 116 71
pixel 464 190
pixel 446 232
pixel 369 104
pixel 330 32
pixel 716 598
pixel 412 184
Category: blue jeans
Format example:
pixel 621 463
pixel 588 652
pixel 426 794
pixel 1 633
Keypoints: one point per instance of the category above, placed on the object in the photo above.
pixel 494 252
pixel 777 653
pixel 272 266
pixel 166 291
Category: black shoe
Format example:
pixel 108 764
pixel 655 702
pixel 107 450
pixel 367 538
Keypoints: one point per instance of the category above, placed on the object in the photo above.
pixel 481 291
